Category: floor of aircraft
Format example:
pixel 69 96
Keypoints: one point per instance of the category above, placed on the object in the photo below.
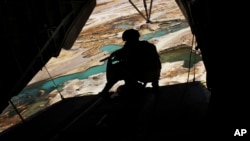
pixel 178 109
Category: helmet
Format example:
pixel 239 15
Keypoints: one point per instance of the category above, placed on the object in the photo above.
pixel 130 34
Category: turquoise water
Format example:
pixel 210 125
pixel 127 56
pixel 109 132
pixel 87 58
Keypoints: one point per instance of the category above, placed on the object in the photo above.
pixel 48 86
pixel 110 48
pixel 181 54
pixel 164 31
pixel 125 26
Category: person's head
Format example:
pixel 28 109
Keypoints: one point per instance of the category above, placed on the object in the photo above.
pixel 131 35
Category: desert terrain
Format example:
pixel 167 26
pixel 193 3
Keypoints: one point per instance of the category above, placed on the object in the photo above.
pixel 105 27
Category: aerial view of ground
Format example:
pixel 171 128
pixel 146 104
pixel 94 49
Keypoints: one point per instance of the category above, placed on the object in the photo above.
pixel 79 71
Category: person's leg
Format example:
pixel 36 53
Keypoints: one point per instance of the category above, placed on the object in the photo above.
pixel 155 85
pixel 105 91
pixel 113 75
pixel 108 86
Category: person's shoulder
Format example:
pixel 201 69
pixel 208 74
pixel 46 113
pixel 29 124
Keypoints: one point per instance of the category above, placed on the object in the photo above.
pixel 144 42
pixel 148 44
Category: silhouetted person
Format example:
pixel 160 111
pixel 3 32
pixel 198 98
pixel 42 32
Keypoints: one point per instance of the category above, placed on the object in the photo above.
pixel 137 63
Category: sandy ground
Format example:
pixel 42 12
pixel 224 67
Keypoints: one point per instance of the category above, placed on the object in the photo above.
pixel 101 29
pixel 85 52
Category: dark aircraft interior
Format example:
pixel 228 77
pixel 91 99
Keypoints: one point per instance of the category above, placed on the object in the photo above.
pixel 35 31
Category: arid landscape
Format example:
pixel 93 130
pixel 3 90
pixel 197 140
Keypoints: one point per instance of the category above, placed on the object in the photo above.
pixel 168 30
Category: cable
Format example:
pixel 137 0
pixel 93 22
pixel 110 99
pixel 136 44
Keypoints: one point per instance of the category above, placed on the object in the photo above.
pixel 194 63
pixel 189 65
pixel 54 82
pixel 11 103
pixel 190 55
pixel 147 18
